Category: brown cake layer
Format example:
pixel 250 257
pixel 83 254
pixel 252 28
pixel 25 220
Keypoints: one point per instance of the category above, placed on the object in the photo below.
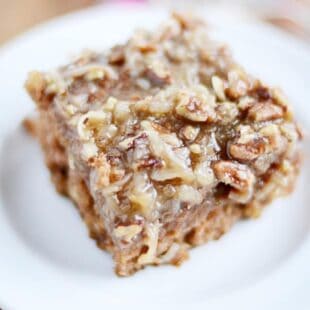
pixel 163 142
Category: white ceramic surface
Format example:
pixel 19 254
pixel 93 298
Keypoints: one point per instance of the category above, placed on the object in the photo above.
pixel 47 260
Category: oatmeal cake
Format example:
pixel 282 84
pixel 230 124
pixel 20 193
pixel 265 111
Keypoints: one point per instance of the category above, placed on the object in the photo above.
pixel 163 142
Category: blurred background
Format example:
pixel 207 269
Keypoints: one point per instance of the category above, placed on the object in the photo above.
pixel 292 16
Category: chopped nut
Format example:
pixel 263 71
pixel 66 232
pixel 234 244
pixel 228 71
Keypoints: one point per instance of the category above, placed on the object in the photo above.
pixel 175 52
pixel 290 132
pixel 55 83
pixel 227 112
pixel 107 132
pixel 237 86
pixel 189 132
pixel 95 74
pixel 282 101
pixel 249 151
pixel 117 55
pixel 245 103
pixel 248 146
pixel 110 104
pixel 262 93
pixel 92 71
pixel 121 111
pixel 88 121
pixel 126 144
pixel 265 111
pixel 194 109
pixel 147 47
pixel 233 174
pixel 279 97
pixel 218 86
pixel 276 142
pixel 158 74
pixel 237 176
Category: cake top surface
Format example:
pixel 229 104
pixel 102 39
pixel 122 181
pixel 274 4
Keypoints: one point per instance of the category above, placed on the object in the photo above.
pixel 167 118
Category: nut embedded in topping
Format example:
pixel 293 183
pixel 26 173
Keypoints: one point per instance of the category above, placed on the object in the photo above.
pixel 238 176
pixel 276 142
pixel 265 111
pixel 248 146
pixel 247 152
pixel 245 103
pixel 95 74
pixel 121 111
pixel 89 121
pixel 227 112
pixel 158 75
pixel 194 109
pixel 117 55
pixel 237 85
pixel 219 87
pixel 189 132
pixel 262 93
pixel 92 71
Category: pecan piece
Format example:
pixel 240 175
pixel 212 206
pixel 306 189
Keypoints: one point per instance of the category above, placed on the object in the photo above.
pixel 265 111
pixel 219 87
pixel 262 93
pixel 247 152
pixel 158 75
pixel 189 132
pixel 248 146
pixel 117 55
pixel 238 176
pixel 237 84
pixel 194 109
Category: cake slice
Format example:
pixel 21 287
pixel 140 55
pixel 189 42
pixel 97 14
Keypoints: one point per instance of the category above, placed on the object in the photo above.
pixel 163 142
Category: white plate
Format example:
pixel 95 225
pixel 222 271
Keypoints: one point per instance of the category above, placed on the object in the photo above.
pixel 47 260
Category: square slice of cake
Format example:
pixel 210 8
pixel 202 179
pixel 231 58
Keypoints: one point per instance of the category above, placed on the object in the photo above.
pixel 163 142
